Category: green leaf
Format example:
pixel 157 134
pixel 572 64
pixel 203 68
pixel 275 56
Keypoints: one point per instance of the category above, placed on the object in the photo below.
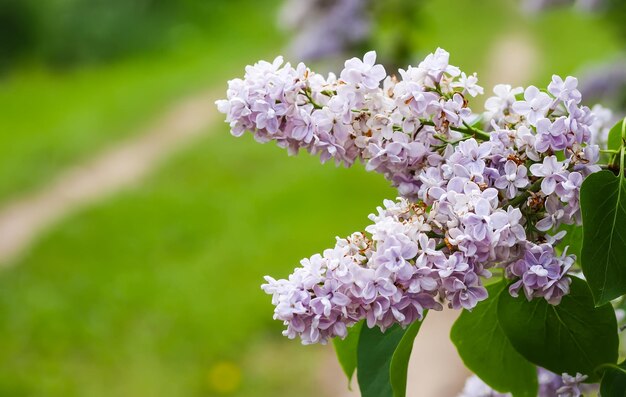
pixel 400 360
pixel 573 239
pixel 486 350
pixel 346 350
pixel 614 141
pixel 574 336
pixel 603 207
pixel 614 381
pixel 375 354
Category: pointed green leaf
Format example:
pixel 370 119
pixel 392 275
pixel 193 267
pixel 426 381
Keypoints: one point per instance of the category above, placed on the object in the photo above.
pixel 603 207
pixel 346 350
pixel 614 141
pixel 574 336
pixel 400 360
pixel 614 381
pixel 375 354
pixel 486 350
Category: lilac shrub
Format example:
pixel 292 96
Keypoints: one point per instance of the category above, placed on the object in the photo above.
pixel 480 192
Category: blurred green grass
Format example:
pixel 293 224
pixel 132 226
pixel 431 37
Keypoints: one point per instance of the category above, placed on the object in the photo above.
pixel 147 292
pixel 52 119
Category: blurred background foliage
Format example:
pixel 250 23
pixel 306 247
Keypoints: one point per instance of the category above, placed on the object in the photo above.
pixel 154 290
pixel 70 33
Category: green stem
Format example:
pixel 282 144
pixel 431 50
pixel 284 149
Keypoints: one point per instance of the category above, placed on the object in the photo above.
pixel 485 136
pixel 621 159
pixel 610 366
pixel 523 196
pixel 307 93
pixel 432 234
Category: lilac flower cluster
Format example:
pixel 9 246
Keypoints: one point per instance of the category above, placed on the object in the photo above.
pixel 398 129
pixel 472 199
pixel 541 273
pixel 390 277
pixel 550 385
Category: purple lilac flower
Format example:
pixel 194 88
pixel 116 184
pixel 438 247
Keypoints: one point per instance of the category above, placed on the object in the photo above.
pixel 534 106
pixel 458 215
pixel 541 273
pixel 565 90
pixel 469 84
pixel 499 107
pixel 552 172
pixel 364 72
pixel 514 178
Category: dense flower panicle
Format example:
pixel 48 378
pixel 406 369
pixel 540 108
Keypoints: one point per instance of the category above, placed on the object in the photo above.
pixel 550 385
pixel 471 199
pixel 377 279
pixel 350 117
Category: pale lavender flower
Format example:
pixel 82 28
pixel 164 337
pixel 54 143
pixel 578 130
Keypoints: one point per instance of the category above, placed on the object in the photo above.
pixel 498 106
pixel 365 72
pixel 455 263
pixel 534 106
pixel 542 274
pixel 265 116
pixel 552 135
pixel 571 385
pixel 514 178
pixel 564 90
pixel 554 215
pixel 436 64
pixel 454 110
pixel 464 291
pixel 569 189
pixel 552 172
pixel 469 84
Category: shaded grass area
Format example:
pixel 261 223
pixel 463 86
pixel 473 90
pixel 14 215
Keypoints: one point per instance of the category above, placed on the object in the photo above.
pixel 53 119
pixel 143 294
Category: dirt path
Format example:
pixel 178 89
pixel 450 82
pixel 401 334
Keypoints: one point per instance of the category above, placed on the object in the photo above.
pixel 22 219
